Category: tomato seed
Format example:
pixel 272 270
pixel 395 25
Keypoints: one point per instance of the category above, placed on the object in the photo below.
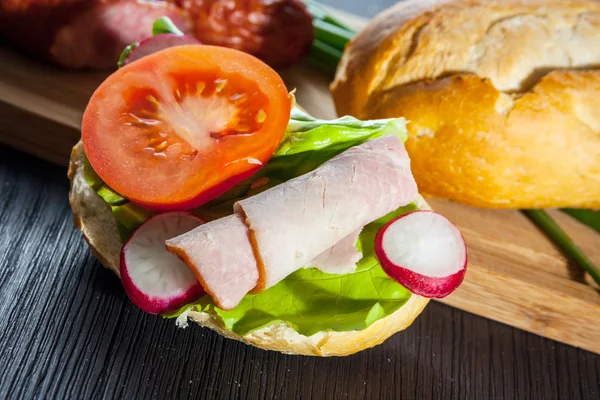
pixel 153 100
pixel 162 146
pixel 261 116
pixel 221 83
pixel 242 128
pixel 155 141
pixel 238 98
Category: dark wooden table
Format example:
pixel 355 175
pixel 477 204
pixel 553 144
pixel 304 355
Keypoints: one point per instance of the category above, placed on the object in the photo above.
pixel 67 330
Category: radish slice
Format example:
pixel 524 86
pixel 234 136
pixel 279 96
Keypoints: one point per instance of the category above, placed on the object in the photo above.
pixel 154 279
pixel 156 43
pixel 424 252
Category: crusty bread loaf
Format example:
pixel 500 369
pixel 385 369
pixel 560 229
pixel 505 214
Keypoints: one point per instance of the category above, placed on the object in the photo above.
pixel 94 218
pixel 502 97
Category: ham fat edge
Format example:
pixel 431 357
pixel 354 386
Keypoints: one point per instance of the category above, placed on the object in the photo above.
pixel 310 221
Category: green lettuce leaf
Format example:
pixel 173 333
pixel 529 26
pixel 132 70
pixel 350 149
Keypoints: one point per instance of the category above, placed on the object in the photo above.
pixel 311 301
pixel 165 25
pixel 308 300
pixel 305 133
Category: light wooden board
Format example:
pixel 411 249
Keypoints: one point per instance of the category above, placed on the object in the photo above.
pixel 515 274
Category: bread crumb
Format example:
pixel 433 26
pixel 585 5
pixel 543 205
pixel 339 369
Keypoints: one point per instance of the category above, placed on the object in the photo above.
pixel 182 319
pixel 425 132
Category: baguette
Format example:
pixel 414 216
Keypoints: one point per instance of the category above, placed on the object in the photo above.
pixel 94 218
pixel 502 97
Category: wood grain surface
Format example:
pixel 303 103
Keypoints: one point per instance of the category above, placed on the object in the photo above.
pixel 67 331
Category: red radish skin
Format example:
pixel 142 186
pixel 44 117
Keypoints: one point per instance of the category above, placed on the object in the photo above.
pixel 157 43
pixel 154 246
pixel 420 283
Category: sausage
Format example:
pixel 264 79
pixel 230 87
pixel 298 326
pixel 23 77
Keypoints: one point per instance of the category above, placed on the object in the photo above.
pixel 83 33
pixel 279 32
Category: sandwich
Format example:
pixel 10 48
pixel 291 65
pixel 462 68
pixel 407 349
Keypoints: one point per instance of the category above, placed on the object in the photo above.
pixel 217 200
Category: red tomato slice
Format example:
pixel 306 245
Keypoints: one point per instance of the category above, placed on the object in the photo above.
pixel 177 128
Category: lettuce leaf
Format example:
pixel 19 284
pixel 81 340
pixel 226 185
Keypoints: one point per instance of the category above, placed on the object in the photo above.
pixel 306 133
pixel 308 300
pixel 165 25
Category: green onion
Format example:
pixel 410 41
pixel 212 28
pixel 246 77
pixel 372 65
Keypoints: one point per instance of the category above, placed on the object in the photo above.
pixel 332 35
pixel 590 218
pixel 547 224
pixel 319 13
pixel 325 55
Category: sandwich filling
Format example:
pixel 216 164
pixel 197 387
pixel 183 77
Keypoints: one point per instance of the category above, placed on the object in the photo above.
pixel 298 223
pixel 346 291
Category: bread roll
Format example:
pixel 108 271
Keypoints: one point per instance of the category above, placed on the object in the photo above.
pixel 94 218
pixel 502 96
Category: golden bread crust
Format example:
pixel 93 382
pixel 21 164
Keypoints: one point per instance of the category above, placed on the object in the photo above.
pixel 94 218
pixel 473 144
pixel 489 126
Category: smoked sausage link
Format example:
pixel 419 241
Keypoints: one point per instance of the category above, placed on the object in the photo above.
pixel 82 33
pixel 279 32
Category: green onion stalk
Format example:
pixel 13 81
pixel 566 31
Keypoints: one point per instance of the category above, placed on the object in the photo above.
pixel 570 249
pixel 332 36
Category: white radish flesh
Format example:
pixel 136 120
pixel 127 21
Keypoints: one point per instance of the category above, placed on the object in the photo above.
pixel 154 279
pixel 157 43
pixel 424 252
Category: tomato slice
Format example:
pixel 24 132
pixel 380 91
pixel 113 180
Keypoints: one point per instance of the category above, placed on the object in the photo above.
pixel 177 128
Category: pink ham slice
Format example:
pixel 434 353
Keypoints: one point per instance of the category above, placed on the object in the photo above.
pixel 341 258
pixel 310 220
pixel 222 257
pixel 293 223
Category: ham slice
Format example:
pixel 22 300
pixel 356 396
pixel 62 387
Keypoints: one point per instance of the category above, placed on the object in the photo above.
pixel 311 220
pixel 222 257
pixel 341 258
pixel 292 223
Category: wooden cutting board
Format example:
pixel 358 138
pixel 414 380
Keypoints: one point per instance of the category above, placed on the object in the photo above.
pixel 515 276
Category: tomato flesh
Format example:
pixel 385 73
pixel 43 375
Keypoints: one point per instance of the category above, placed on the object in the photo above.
pixel 179 127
